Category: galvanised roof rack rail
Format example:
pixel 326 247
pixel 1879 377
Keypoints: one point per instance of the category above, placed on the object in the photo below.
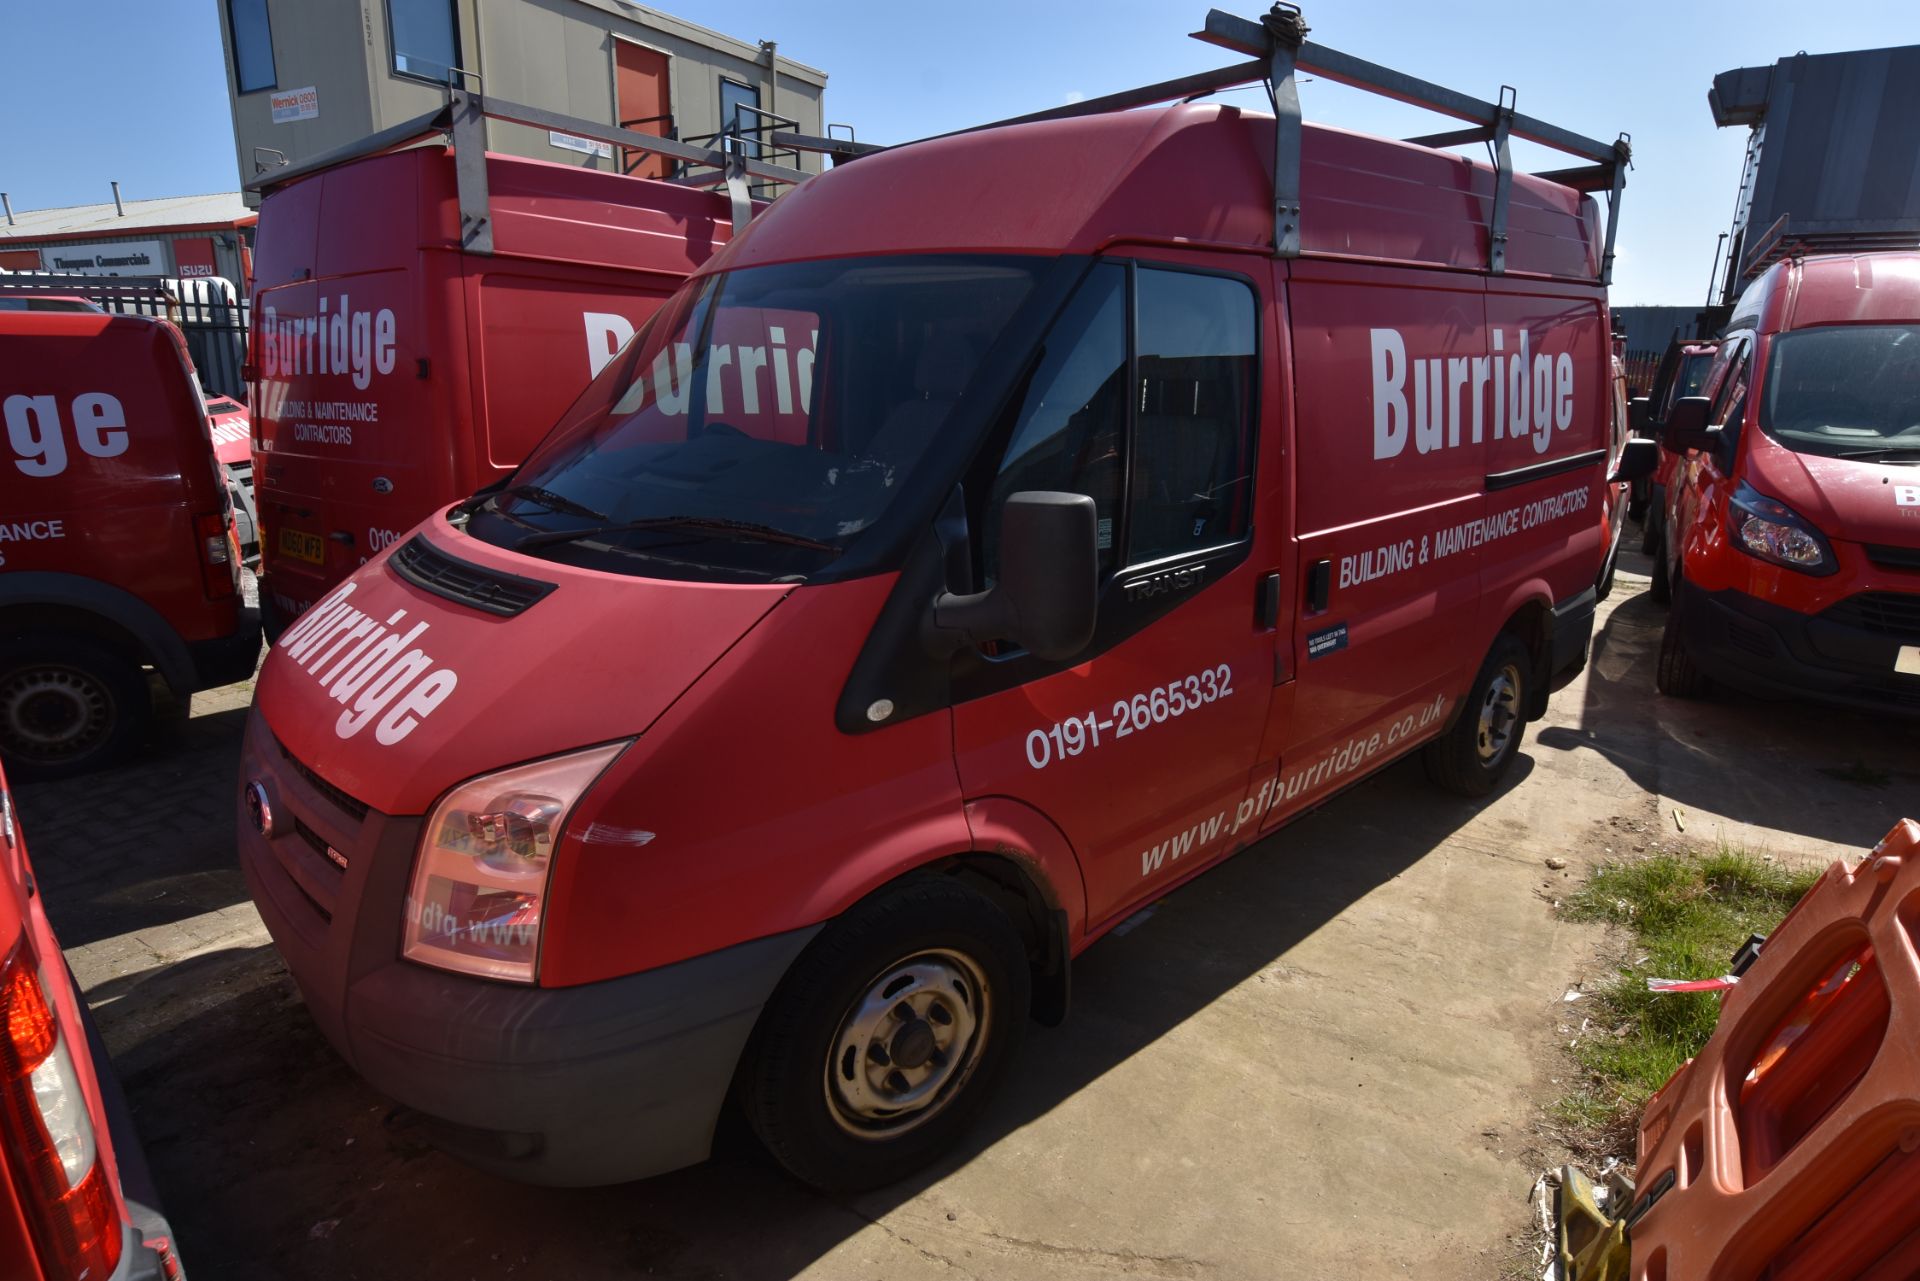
pixel 1781 241
pixel 463 119
pixel 1280 51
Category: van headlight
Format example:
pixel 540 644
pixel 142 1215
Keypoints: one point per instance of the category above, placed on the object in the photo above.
pixel 1774 532
pixel 478 896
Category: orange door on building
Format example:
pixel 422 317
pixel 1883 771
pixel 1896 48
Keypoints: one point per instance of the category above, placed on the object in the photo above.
pixel 641 95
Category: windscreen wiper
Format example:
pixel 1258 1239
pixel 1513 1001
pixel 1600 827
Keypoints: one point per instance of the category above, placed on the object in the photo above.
pixel 1882 451
pixel 548 499
pixel 742 529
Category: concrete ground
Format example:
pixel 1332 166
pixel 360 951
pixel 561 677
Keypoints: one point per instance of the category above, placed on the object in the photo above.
pixel 1323 1059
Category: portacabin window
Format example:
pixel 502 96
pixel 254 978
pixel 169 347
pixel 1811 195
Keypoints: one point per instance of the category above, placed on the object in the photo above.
pixel 252 34
pixel 735 96
pixel 425 39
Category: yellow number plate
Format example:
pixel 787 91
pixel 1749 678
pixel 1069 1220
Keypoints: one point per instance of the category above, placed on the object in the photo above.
pixel 307 547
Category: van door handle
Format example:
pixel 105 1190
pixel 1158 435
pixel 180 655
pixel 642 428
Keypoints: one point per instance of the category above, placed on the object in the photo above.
pixel 1319 586
pixel 1266 603
pixel 342 537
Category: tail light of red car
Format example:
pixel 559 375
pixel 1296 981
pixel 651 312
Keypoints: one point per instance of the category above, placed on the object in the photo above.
pixel 219 566
pixel 51 1153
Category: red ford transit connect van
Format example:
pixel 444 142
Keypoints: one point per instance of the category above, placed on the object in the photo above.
pixel 933 582
pixel 396 367
pixel 1792 538
pixel 115 551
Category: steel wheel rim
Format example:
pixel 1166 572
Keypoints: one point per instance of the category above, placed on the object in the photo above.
pixel 1499 715
pixel 53 712
pixel 908 1044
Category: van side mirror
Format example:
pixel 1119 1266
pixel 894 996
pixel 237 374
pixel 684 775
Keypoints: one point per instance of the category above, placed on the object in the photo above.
pixel 1639 459
pixel 1686 426
pixel 1640 415
pixel 1048 594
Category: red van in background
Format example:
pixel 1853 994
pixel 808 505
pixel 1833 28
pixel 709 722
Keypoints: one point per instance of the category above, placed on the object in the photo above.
pixel 115 548
pixel 1793 523
pixel 394 371
pixel 1613 512
pixel 1684 371
pixel 930 585
pixel 76 1201
pixel 232 435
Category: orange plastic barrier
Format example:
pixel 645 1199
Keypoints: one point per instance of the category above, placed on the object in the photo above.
pixel 1789 1150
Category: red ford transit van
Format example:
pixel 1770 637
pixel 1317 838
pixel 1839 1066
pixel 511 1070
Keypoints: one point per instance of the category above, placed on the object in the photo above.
pixel 1792 539
pixel 932 583
pixel 115 550
pixel 396 368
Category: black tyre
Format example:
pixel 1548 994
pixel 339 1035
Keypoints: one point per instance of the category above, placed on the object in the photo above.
pixel 1471 758
pixel 68 704
pixel 1604 588
pixel 1676 674
pixel 887 1036
pixel 1662 588
pixel 1650 531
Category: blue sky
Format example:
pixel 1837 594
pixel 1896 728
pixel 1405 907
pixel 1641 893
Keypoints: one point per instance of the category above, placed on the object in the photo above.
pixel 136 90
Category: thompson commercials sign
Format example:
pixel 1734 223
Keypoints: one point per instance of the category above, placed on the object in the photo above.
pixel 119 258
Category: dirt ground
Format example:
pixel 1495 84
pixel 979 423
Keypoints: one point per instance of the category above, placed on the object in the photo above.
pixel 1325 1058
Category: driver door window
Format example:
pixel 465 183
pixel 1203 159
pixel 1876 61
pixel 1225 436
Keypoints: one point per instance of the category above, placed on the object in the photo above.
pixel 1162 441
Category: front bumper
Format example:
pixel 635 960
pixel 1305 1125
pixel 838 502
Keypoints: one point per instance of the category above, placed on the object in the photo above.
pixel 594 1084
pixel 1776 652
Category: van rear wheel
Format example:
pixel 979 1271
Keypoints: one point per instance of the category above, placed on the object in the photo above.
pixel 887 1036
pixel 68 704
pixel 1473 756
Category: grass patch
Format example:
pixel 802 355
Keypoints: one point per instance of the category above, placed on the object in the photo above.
pixel 1688 913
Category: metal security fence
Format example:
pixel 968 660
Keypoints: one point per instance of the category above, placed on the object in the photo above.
pixel 208 311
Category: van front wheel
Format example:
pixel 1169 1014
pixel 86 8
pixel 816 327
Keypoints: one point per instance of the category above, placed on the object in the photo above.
pixel 1676 674
pixel 1471 758
pixel 68 704
pixel 888 1035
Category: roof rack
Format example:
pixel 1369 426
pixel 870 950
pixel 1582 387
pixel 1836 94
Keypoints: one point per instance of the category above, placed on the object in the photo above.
pixel 1780 241
pixel 1280 51
pixel 463 119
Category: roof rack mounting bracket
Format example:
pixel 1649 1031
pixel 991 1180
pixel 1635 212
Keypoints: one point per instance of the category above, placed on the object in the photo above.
pixel 1502 181
pixel 469 129
pixel 738 196
pixel 1623 156
pixel 1286 32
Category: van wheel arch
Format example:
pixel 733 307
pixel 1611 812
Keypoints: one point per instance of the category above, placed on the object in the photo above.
pixel 41 617
pixel 1532 626
pixel 1035 913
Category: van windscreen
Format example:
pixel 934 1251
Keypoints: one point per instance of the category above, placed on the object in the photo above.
pixel 1847 391
pixel 761 420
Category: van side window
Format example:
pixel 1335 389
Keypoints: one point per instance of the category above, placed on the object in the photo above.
pixel 1070 432
pixel 1192 450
